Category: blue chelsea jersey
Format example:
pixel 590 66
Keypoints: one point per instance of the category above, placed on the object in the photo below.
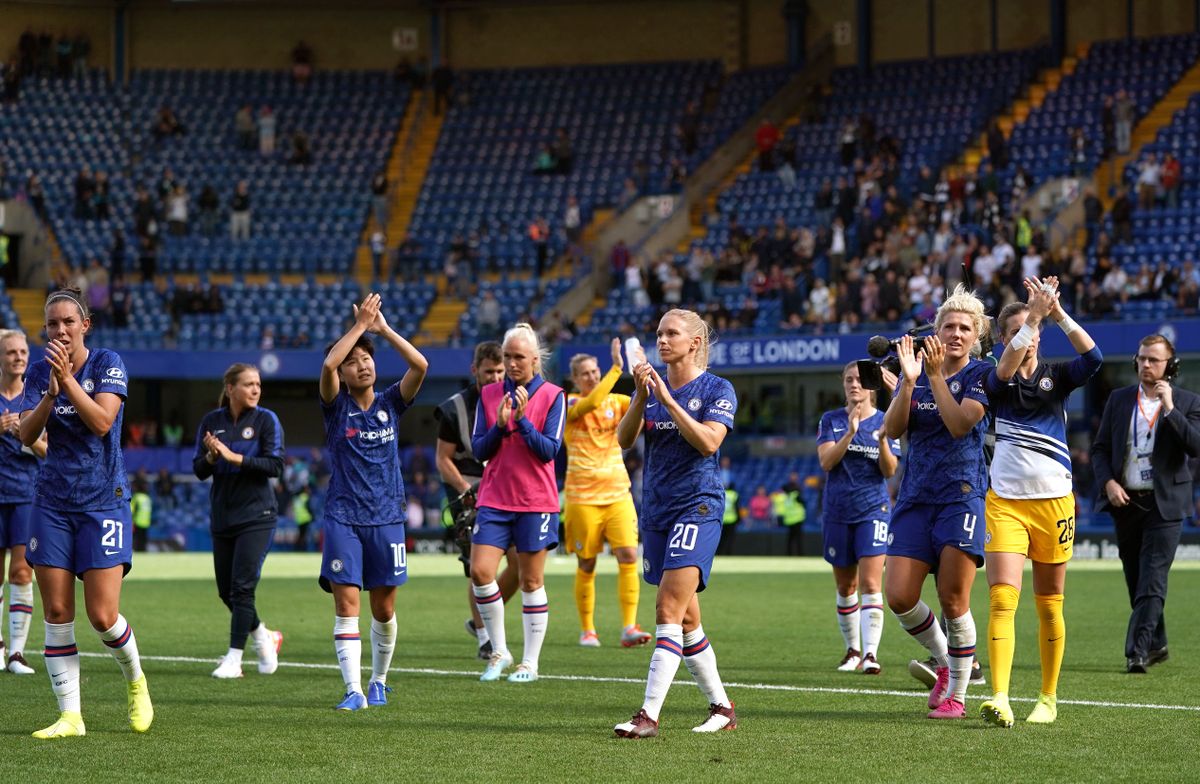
pixel 18 468
pixel 365 487
pixel 678 483
pixel 938 467
pixel 82 471
pixel 856 490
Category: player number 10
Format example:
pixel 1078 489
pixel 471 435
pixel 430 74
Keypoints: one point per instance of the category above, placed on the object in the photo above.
pixel 399 556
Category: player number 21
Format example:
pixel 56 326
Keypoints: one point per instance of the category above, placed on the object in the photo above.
pixel 683 536
pixel 114 534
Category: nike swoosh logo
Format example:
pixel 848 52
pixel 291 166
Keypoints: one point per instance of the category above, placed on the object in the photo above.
pixel 676 555
pixel 355 413
pixel 1056 639
pixel 541 538
pixel 838 429
pixel 217 432
pixel 111 552
pixel 999 638
pixel 398 572
pixel 965 544
pixel 58 674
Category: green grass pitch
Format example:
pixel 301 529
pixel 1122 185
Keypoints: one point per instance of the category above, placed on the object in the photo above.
pixel 771 622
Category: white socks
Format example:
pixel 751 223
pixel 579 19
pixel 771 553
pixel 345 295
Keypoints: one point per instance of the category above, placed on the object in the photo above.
pixel 961 642
pixel 347 643
pixel 261 636
pixel 62 664
pixel 491 609
pixel 847 611
pixel 872 622
pixel 123 646
pixel 535 618
pixel 923 626
pixel 234 656
pixel 701 662
pixel 20 614
pixel 664 663
pixel 383 643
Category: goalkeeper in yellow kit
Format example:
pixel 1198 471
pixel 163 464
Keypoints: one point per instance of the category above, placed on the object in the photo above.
pixel 599 507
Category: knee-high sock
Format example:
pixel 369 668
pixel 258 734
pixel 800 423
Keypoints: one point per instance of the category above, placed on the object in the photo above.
pixel 664 663
pixel 961 646
pixel 123 646
pixel 20 614
pixel 585 599
pixel 1052 639
pixel 347 644
pixel 535 617
pixel 490 603
pixel 872 622
pixel 848 620
pixel 629 588
pixel 62 664
pixel 383 643
pixel 1002 634
pixel 701 662
pixel 920 623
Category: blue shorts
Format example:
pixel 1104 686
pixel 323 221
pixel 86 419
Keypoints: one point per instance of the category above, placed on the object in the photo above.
pixel 686 544
pixel 14 525
pixel 366 556
pixel 846 545
pixel 80 541
pixel 920 531
pixel 531 532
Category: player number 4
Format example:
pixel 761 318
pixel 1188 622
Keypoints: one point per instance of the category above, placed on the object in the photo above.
pixel 683 536
pixel 969 524
pixel 114 534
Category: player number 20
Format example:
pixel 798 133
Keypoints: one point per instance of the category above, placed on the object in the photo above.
pixel 399 556
pixel 683 536
pixel 114 534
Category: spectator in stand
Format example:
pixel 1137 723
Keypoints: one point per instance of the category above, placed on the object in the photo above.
pixel 573 223
pixel 820 306
pixel 166 124
pixel 244 127
pixel 1171 177
pixel 1031 262
pixel 116 254
pixel 997 146
pixel 488 316
pixel 378 245
pixel 618 260
pixel 301 150
pixel 85 189
pixel 676 175
pixel 36 196
pixel 148 257
pixel 760 508
pixel 239 212
pixel 792 301
pixel 120 302
pixel 1116 283
pixel 1078 152
pixel 302 63
pixel 177 211
pixel 379 199
pixel 267 125
pixel 849 142
pixel 1093 213
pixel 1123 111
pixel 1096 301
pixel 209 206
pixel 564 154
pixel 1021 181
pixel 442 79
pixel 81 47
pixel 1121 214
pixel 62 51
pixel 98 295
pixel 101 200
pixel 1149 182
pixel 544 163
pixel 539 235
pixel 12 82
pixel 765 139
pixel 1108 126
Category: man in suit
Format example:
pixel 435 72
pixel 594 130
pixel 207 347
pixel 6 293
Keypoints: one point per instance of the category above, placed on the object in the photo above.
pixel 1140 456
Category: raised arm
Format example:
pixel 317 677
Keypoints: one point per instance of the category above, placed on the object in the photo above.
pixel 959 418
pixel 364 317
pixel 895 420
pixel 586 405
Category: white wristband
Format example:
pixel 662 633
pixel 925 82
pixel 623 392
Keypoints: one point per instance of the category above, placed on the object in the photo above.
pixel 1068 325
pixel 1024 338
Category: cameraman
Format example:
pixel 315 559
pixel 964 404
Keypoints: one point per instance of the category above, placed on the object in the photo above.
pixel 461 474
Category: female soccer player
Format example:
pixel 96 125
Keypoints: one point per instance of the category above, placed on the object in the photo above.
pixel 518 431
pixel 240 445
pixel 856 511
pixel 940 402
pixel 1031 505
pixel 686 418
pixel 598 505
pixel 18 471
pixel 80 521
pixel 364 546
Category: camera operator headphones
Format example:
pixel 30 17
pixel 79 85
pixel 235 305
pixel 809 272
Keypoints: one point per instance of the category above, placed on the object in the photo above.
pixel 1173 362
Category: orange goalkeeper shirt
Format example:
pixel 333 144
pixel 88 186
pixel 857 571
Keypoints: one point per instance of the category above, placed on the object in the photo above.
pixel 596 472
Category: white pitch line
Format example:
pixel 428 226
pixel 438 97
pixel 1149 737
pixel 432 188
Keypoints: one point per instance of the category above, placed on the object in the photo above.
pixel 735 685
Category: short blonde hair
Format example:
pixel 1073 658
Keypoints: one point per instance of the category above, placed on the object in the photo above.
pixel 524 331
pixel 5 334
pixel 695 327
pixel 579 359
pixel 963 300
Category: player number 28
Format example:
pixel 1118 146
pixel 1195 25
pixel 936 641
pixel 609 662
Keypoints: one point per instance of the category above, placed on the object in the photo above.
pixel 683 536
pixel 114 534
pixel 1066 533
